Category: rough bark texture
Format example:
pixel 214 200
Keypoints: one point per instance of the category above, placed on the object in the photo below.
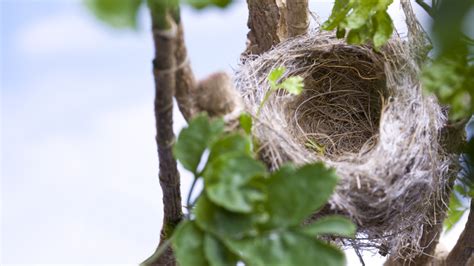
pixel 186 84
pixel 164 66
pixel 463 251
pixel 267 24
pixel 297 17
pixel 215 94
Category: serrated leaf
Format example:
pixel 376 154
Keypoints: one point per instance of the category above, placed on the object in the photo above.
pixel 226 182
pixel 294 194
pixel 195 139
pixel 293 85
pixel 275 75
pixel 286 247
pixel 383 28
pixel 245 121
pixel 230 143
pixel 330 225
pixel 217 253
pixel 223 223
pixel 188 241
pixel 120 14
pixel 362 20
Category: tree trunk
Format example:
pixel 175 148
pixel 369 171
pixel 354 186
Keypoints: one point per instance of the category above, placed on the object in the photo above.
pixel 164 66
pixel 297 17
pixel 463 251
pixel 267 24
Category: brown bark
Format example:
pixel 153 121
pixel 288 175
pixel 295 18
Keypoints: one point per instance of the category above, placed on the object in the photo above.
pixel 463 251
pixel 267 24
pixel 164 66
pixel 186 84
pixel 215 94
pixel 297 17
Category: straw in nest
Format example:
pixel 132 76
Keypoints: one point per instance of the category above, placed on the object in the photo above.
pixel 363 113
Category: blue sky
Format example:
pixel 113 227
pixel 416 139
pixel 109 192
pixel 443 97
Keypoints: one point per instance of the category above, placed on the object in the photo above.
pixel 78 157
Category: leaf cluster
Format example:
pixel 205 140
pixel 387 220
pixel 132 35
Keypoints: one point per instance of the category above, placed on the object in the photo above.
pixel 451 73
pixel 124 13
pixel 361 21
pixel 246 213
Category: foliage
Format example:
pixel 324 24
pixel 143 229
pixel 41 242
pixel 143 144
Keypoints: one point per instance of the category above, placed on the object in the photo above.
pixel 120 14
pixel 360 21
pixel 124 13
pixel 463 189
pixel 246 213
pixel 451 74
pixel 293 85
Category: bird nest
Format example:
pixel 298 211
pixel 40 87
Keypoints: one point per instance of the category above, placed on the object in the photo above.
pixel 363 113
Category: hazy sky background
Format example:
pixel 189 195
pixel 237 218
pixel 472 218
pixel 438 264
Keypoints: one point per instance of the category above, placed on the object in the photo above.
pixel 78 157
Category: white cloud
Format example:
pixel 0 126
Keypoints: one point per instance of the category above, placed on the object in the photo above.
pixel 74 33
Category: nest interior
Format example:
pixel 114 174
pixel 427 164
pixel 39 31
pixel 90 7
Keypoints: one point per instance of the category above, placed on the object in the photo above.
pixel 363 113
pixel 339 110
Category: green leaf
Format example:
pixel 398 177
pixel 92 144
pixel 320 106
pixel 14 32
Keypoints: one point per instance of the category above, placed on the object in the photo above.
pixel 220 222
pixel 363 20
pixel 338 14
pixel 275 75
pixel 294 194
pixel 217 253
pixel 331 225
pixel 226 182
pixel 230 143
pixel 193 140
pixel 188 242
pixel 455 212
pixel 200 4
pixel 383 28
pixel 286 248
pixel 116 13
pixel 451 78
pixel 293 85
pixel 360 15
pixel 340 33
pixel 246 122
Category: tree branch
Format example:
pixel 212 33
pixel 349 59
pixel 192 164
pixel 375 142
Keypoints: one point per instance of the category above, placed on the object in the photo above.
pixel 267 20
pixel 164 64
pixel 463 251
pixel 186 84
pixel 297 17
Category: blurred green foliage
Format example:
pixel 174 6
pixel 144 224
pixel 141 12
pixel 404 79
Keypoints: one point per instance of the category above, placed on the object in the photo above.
pixel 124 13
pixel 451 73
pixel 116 13
pixel 245 213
